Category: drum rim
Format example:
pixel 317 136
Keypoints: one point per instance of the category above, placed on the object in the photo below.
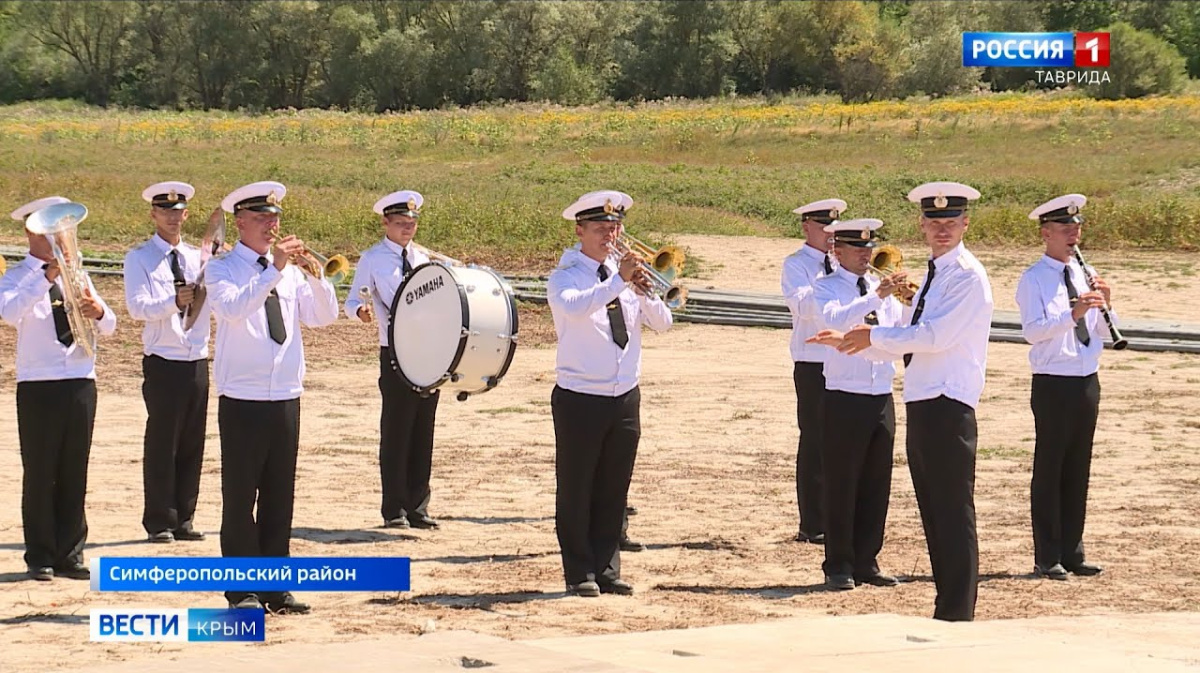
pixel 462 338
pixel 494 381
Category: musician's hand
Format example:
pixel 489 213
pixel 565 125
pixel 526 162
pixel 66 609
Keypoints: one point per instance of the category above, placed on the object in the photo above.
pixel 892 284
pixel 52 270
pixel 826 337
pixel 1101 286
pixel 364 314
pixel 217 217
pixel 89 306
pixel 629 264
pixel 641 283
pixel 856 340
pixel 1086 302
pixel 185 295
pixel 285 248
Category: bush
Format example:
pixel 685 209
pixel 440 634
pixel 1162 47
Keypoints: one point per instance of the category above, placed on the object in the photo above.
pixel 1141 65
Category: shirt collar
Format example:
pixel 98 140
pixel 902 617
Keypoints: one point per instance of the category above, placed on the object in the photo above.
pixel 397 248
pixel 32 262
pixel 1053 263
pixel 242 250
pixel 164 247
pixel 951 257
pixel 850 276
pixel 590 264
pixel 811 252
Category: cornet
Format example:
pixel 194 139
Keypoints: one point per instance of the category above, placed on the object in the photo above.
pixel 59 223
pixel 335 268
pixel 662 267
pixel 885 261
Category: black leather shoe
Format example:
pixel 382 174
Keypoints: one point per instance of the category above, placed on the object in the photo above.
pixel 75 571
pixel 587 589
pixel 630 510
pixel 631 545
pixel 398 522
pixel 1085 569
pixel 422 521
pixel 41 573
pixel 189 534
pixel 250 602
pixel 286 604
pixel 878 580
pixel 619 587
pixel 162 537
pixel 818 538
pixel 1054 572
pixel 839 582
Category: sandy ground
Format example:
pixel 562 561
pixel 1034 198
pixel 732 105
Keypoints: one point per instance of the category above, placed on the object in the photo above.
pixel 714 485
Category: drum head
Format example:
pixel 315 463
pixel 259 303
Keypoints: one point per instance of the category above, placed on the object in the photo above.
pixel 429 315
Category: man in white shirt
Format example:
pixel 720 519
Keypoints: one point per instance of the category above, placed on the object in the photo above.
pixel 160 283
pixel 859 418
pixel 800 269
pixel 56 404
pixel 599 305
pixel 944 348
pixel 260 301
pixel 1060 317
pixel 406 420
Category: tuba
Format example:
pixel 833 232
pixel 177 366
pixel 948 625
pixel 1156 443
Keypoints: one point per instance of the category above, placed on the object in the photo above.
pixel 662 266
pixel 885 261
pixel 59 224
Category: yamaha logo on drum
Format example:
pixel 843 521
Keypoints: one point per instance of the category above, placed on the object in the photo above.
pixel 424 289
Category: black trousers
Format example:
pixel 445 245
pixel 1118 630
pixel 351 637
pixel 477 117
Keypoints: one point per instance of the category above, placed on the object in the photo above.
pixel 857 457
pixel 809 378
pixel 54 422
pixel 259 442
pixel 596 440
pixel 176 395
pixel 1064 415
pixel 941 457
pixel 406 425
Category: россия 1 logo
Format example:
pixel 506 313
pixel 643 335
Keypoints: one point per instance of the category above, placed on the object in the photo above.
pixel 1035 50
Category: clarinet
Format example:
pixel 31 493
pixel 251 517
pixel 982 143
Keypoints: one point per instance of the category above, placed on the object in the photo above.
pixel 1119 342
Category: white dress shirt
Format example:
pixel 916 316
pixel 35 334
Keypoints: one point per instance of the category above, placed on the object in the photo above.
pixel 379 270
pixel 150 298
pixel 588 360
pixel 249 365
pixel 837 298
pixel 800 269
pixel 1046 321
pixel 25 304
pixel 949 343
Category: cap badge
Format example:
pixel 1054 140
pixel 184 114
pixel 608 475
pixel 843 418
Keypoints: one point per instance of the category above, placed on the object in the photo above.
pixel 940 201
pixel 272 199
pixel 833 213
pixel 1072 209
pixel 172 196
pixel 608 206
pixel 865 234
pixel 412 204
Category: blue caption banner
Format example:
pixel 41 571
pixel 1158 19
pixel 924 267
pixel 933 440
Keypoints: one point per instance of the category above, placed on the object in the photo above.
pixel 257 574
pixel 193 625
pixel 1018 50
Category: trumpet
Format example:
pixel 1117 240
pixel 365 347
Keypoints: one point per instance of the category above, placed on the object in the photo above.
pixel 59 224
pixel 335 269
pixel 885 261
pixel 662 266
pixel 1119 341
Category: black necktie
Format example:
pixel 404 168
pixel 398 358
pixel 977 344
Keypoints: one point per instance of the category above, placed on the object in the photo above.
pixel 62 326
pixel 828 266
pixel 177 272
pixel 405 267
pixel 871 318
pixel 274 313
pixel 921 303
pixel 1081 331
pixel 616 318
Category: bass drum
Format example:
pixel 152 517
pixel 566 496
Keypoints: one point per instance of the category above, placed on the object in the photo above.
pixel 452 328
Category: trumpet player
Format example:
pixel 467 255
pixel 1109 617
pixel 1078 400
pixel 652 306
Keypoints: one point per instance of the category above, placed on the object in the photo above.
pixel 599 301
pixel 56 403
pixel 859 414
pixel 406 420
pixel 944 348
pixel 1060 318
pixel 160 283
pixel 800 269
pixel 260 301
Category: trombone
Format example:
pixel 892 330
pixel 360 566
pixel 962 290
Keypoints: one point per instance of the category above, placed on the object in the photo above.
pixel 662 266
pixel 885 261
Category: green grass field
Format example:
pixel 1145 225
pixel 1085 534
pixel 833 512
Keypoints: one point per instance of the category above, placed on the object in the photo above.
pixel 497 179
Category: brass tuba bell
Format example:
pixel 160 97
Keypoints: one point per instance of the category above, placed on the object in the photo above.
pixel 59 223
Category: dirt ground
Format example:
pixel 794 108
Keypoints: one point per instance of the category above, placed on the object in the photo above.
pixel 714 485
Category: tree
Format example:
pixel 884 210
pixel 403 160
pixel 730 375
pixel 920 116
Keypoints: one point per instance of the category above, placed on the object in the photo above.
pixel 935 51
pixel 95 35
pixel 1141 64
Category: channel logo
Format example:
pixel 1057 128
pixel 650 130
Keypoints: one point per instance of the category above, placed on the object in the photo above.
pixel 1035 50
pixel 194 625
